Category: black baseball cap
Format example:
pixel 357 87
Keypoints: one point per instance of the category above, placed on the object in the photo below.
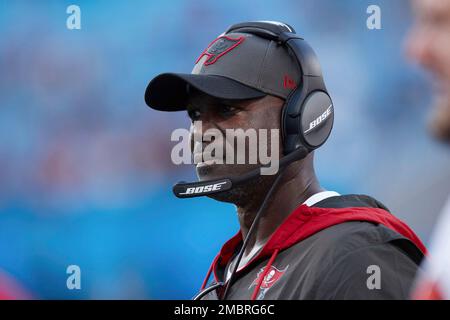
pixel 234 66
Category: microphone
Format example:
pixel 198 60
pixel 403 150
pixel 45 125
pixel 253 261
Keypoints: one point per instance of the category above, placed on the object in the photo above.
pixel 203 188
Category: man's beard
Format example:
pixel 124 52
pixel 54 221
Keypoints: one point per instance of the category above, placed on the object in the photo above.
pixel 247 194
pixel 439 123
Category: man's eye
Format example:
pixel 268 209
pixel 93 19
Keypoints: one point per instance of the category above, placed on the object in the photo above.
pixel 228 110
pixel 194 114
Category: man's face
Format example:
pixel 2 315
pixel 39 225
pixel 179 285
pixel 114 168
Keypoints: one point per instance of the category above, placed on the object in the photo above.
pixel 429 44
pixel 221 115
pixel 226 115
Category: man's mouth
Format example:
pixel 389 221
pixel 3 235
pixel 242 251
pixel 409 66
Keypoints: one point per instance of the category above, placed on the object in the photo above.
pixel 198 160
pixel 206 163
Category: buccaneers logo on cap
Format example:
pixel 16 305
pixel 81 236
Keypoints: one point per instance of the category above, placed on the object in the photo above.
pixel 218 48
pixel 269 280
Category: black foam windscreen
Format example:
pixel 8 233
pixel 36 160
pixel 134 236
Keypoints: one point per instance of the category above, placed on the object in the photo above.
pixel 205 188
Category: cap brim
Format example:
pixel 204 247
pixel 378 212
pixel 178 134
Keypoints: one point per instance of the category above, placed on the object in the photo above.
pixel 169 91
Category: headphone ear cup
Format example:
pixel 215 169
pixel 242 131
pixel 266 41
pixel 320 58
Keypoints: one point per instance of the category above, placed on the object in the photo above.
pixel 290 121
pixel 289 130
pixel 316 119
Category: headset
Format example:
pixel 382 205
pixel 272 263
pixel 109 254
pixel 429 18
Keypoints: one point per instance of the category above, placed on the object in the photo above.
pixel 306 123
pixel 307 117
pixel 308 113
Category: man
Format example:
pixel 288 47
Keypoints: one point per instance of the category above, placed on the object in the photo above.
pixel 429 45
pixel 309 243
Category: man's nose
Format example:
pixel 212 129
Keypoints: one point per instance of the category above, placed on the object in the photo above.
pixel 198 129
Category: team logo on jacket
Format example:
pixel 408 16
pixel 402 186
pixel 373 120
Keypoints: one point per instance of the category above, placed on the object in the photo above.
pixel 269 280
pixel 218 48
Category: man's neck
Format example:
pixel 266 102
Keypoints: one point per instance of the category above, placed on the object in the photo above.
pixel 294 189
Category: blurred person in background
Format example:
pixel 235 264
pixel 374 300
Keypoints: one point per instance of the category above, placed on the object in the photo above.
pixel 10 289
pixel 429 45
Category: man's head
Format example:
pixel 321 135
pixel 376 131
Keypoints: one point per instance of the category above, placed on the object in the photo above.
pixel 429 44
pixel 239 82
pixel 259 77
pixel 240 123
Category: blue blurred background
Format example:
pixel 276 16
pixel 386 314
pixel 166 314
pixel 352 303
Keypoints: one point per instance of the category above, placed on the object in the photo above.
pixel 85 170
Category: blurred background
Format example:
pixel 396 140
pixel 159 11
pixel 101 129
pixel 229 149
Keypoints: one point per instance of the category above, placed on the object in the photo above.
pixel 85 169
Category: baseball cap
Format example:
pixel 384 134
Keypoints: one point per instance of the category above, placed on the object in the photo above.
pixel 234 66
